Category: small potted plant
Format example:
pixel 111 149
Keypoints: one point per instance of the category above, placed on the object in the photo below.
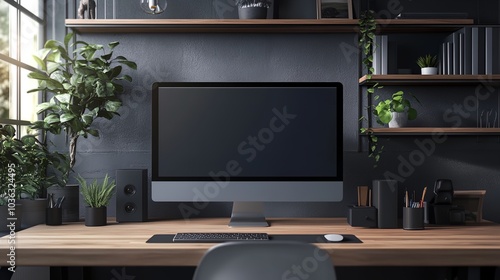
pixel 395 111
pixel 97 197
pixel 428 64
pixel 253 9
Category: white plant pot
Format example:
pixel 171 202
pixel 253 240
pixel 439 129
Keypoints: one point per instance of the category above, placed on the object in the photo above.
pixel 398 119
pixel 429 71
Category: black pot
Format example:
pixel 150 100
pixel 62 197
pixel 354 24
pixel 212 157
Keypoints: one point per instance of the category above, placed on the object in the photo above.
pixel 95 216
pixel 252 13
pixel 71 203
pixel 33 211
pixel 53 216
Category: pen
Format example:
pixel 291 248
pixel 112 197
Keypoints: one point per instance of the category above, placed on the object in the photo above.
pixel 407 201
pixel 51 200
pixel 59 202
pixel 370 197
pixel 423 196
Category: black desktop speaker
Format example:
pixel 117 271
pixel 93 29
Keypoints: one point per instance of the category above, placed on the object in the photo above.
pixel 131 195
pixel 385 199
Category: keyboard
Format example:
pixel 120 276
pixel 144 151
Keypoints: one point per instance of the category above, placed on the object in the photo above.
pixel 192 237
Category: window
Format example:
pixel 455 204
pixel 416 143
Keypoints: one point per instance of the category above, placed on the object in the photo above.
pixel 21 35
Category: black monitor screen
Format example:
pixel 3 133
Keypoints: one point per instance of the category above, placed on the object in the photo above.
pixel 254 132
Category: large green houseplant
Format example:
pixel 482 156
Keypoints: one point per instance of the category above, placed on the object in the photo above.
pixel 81 86
pixel 81 83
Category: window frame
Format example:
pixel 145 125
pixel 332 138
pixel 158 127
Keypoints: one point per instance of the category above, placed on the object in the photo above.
pixel 16 61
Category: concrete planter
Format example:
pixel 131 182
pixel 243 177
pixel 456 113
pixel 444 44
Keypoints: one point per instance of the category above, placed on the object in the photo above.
pixel 429 70
pixel 252 12
pixel 398 119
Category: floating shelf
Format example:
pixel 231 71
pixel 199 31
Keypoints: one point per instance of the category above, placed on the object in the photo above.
pixel 435 130
pixel 445 80
pixel 260 25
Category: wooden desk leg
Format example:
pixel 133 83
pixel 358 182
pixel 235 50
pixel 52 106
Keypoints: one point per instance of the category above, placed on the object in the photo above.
pixel 5 273
pixel 473 273
pixel 59 273
pixel 67 273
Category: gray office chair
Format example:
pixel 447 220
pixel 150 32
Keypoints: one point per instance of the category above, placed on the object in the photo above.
pixel 265 260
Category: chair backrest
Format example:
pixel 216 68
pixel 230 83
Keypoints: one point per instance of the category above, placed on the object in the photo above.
pixel 265 260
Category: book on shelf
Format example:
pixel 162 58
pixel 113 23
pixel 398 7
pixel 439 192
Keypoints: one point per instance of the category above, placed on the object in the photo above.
pixel 478 50
pixel 384 55
pixel 492 50
pixel 461 55
pixel 467 50
pixel 443 60
pixel 377 55
pixel 471 51
pixel 449 58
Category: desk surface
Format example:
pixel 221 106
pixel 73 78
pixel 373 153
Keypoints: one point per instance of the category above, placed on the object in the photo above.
pixel 125 244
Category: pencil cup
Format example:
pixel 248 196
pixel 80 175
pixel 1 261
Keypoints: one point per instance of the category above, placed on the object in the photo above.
pixel 53 216
pixel 413 218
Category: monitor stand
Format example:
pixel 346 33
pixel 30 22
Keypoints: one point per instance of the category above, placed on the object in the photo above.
pixel 248 214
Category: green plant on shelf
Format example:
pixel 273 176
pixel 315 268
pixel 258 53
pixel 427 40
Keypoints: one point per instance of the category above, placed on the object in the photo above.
pixel 398 103
pixel 427 61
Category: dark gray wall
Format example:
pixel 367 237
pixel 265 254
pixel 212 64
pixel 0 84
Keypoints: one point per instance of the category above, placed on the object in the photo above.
pixel 471 162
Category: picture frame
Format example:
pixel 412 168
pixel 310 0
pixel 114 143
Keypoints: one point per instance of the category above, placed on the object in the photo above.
pixel 334 9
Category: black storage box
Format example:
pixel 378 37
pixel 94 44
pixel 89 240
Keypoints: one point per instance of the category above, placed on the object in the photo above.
pixel 362 216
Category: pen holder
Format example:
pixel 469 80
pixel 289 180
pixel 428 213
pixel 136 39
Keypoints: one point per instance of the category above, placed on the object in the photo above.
pixel 413 218
pixel 53 216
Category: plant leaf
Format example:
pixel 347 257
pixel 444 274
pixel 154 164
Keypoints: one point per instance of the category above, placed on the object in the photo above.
pixel 66 117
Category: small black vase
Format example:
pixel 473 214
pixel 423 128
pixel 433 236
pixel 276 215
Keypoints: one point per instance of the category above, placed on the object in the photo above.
pixel 95 216
pixel 252 12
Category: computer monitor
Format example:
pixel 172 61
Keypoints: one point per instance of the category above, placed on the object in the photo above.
pixel 247 143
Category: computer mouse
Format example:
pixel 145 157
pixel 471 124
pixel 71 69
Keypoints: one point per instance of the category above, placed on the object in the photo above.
pixel 334 237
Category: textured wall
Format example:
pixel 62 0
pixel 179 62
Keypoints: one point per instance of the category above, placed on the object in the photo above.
pixel 471 162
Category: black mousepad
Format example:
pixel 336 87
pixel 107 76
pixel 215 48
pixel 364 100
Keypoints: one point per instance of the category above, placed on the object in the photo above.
pixel 307 238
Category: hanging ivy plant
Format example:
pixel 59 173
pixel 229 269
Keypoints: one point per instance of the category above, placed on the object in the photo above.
pixel 367 29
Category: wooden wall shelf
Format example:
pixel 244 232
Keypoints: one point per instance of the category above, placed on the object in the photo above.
pixel 262 25
pixel 472 131
pixel 445 80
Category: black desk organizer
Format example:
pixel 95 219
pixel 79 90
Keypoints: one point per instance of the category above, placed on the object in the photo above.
pixel 441 210
pixel 306 238
pixel 362 216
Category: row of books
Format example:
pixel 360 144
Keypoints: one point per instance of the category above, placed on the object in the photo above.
pixel 468 51
pixel 471 51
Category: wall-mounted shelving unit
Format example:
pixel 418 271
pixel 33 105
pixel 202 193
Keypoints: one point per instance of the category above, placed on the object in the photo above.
pixel 416 79
pixel 434 130
pixel 260 25
pixel 427 80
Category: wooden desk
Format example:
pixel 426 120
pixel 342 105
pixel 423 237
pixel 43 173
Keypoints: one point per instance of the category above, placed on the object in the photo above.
pixel 125 244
